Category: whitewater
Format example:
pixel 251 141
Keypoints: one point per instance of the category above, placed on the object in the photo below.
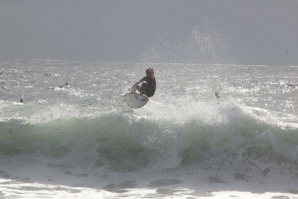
pixel 72 136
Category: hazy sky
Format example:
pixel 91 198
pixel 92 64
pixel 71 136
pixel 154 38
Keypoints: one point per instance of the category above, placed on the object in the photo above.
pixel 261 32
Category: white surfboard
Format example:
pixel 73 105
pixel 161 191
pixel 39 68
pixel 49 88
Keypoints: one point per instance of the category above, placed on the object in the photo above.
pixel 135 100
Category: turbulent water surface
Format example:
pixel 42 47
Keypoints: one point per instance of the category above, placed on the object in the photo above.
pixel 73 136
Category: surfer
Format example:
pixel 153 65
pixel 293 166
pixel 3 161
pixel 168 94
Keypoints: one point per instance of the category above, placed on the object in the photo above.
pixel 148 86
pixel 216 95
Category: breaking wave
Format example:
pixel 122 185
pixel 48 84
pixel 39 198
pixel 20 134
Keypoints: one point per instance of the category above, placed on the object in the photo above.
pixel 223 135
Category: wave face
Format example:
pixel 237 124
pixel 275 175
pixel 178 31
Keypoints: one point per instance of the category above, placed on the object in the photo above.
pixel 219 136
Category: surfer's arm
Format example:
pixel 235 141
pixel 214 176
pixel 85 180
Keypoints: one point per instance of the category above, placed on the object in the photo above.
pixel 138 82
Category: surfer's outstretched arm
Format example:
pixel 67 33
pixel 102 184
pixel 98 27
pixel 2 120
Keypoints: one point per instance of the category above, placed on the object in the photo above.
pixel 136 85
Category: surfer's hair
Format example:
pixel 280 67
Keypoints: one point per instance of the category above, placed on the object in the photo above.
pixel 149 70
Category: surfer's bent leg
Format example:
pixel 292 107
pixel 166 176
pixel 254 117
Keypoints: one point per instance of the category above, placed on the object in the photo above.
pixel 149 92
pixel 143 88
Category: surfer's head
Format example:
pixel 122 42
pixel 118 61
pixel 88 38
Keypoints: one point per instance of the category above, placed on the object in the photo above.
pixel 149 72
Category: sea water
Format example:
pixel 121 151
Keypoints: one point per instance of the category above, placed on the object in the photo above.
pixel 74 137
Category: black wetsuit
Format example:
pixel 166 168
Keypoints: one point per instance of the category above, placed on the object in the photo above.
pixel 149 87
